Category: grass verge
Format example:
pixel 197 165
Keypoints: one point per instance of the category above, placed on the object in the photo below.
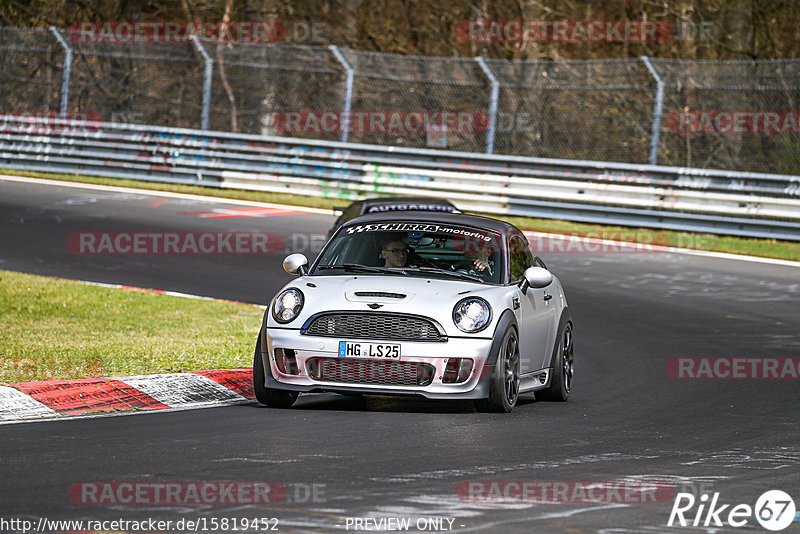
pixel 768 248
pixel 53 329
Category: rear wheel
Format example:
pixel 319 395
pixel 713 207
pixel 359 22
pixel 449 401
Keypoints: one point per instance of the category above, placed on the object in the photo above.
pixel 563 369
pixel 504 388
pixel 276 398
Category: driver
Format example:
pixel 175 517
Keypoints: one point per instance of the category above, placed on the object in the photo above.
pixel 479 260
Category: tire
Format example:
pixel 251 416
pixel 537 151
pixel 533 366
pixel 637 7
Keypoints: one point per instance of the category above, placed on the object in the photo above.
pixel 563 369
pixel 504 387
pixel 275 398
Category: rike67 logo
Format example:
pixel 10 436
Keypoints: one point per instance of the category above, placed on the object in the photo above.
pixel 774 510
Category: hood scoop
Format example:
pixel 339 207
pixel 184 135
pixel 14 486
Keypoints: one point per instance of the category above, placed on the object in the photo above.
pixel 379 294
pixel 387 297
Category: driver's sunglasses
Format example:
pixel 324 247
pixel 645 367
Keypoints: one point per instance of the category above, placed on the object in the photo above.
pixel 397 250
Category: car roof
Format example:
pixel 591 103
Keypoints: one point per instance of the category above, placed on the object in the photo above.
pixel 475 221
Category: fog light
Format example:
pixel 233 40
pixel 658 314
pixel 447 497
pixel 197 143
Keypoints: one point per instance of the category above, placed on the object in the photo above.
pixel 457 370
pixel 286 362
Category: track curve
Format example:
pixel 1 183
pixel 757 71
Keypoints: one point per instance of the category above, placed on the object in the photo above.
pixel 381 458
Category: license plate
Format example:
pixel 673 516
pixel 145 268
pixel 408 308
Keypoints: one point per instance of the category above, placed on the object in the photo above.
pixel 356 349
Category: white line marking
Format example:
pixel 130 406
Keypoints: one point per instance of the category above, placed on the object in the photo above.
pixel 741 257
pixel 647 247
pixel 163 292
pixel 114 188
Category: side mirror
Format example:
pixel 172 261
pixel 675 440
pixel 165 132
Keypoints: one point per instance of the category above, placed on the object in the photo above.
pixel 295 264
pixel 536 277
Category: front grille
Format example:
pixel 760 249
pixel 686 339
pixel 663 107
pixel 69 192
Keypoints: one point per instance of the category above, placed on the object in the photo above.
pixel 380 294
pixel 374 325
pixel 377 372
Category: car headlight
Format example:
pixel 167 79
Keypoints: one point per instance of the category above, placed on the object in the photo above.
pixel 287 305
pixel 472 315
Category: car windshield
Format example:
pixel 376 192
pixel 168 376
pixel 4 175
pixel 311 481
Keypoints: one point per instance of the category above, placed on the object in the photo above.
pixel 415 249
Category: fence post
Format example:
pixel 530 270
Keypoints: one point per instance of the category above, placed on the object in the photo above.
pixel 492 103
pixel 348 93
pixel 207 77
pixel 66 73
pixel 657 110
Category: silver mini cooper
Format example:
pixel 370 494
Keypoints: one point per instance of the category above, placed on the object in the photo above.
pixel 438 305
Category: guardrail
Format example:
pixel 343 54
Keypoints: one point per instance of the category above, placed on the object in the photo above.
pixel 687 199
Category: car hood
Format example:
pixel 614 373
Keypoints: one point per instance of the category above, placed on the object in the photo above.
pixel 434 298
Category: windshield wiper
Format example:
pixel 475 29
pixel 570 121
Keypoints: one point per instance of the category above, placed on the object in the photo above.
pixel 454 274
pixel 359 267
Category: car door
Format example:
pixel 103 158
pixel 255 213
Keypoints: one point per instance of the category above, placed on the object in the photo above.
pixel 536 312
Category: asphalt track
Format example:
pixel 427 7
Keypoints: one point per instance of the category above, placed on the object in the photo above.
pixel 392 458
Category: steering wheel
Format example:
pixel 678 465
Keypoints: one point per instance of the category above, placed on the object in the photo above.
pixel 468 267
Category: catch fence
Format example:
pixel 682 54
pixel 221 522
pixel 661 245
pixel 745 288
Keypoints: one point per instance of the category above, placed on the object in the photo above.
pixel 736 115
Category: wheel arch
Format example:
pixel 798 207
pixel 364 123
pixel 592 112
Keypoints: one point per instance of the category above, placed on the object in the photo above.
pixel 566 318
pixel 507 318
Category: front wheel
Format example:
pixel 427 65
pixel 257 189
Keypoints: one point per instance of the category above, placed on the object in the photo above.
pixel 504 388
pixel 563 369
pixel 276 398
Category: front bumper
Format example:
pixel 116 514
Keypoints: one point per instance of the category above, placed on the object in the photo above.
pixel 434 354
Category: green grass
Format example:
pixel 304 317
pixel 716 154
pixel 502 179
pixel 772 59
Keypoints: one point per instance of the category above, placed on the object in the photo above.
pixel 59 329
pixel 768 248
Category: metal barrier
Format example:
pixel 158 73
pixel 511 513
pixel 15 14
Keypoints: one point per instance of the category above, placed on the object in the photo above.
pixel 686 199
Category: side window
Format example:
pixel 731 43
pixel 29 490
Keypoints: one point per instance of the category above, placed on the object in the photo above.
pixel 520 257
pixel 350 212
pixel 353 211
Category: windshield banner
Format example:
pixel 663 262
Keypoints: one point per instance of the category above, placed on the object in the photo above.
pixel 419 227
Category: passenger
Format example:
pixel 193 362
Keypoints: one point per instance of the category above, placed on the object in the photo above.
pixel 395 251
